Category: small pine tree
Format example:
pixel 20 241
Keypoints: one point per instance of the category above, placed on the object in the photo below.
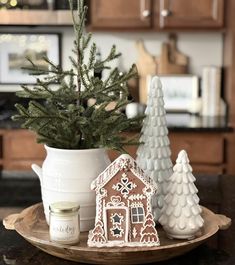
pixel 153 156
pixel 97 234
pixel 148 232
pixel 181 212
pixel 60 117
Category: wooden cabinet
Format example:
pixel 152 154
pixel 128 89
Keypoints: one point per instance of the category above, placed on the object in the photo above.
pixel 157 14
pixel 129 15
pixel 206 151
pixel 120 14
pixel 35 17
pixel 20 150
pixel 191 14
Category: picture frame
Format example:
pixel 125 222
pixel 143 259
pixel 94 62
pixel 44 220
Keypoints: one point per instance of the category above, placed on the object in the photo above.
pixel 181 92
pixel 25 4
pixel 15 47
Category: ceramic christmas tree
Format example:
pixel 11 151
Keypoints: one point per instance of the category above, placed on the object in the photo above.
pixel 181 214
pixel 153 156
pixel 123 207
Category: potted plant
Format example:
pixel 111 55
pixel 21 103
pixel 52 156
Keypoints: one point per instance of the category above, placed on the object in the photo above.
pixel 75 134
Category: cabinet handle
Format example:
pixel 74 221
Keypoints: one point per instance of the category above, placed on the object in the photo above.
pixel 165 13
pixel 144 11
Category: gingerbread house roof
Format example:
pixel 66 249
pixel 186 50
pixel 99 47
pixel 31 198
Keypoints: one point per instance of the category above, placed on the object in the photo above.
pixel 123 162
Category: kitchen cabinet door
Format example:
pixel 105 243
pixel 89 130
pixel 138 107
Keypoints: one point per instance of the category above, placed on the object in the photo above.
pixel 20 150
pixel 191 13
pixel 120 14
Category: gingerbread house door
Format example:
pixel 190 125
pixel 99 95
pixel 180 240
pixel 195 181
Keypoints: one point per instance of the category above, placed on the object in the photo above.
pixel 117 220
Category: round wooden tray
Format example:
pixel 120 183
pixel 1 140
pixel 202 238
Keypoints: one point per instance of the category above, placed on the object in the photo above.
pixel 31 225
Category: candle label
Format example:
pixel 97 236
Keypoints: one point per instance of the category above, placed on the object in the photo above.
pixel 64 230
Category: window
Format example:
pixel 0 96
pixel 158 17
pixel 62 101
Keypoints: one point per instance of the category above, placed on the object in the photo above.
pixel 137 214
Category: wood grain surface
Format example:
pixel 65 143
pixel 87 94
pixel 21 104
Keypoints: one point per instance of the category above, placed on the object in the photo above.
pixel 32 226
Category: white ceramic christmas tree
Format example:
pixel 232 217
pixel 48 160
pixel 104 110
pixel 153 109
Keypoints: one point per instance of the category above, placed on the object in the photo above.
pixel 153 156
pixel 181 214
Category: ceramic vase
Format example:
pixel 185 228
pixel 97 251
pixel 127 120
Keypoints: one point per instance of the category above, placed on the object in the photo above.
pixel 66 175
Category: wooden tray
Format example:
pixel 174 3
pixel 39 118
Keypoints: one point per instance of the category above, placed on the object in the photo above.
pixel 31 224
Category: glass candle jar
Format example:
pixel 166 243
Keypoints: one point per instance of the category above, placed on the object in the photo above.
pixel 64 222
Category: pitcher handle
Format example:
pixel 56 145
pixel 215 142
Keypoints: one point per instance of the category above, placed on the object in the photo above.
pixel 38 171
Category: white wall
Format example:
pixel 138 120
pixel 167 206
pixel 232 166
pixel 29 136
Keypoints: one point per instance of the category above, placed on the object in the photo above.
pixel 202 48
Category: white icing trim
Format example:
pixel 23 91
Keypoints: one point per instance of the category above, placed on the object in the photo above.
pixel 123 186
pixel 114 168
pixel 155 234
pixel 137 215
pixel 116 235
pixel 123 244
pixel 116 201
pixel 137 204
pixel 137 197
pixel 120 218
pixel 134 232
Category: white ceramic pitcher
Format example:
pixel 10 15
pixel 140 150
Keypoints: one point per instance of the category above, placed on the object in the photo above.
pixel 66 175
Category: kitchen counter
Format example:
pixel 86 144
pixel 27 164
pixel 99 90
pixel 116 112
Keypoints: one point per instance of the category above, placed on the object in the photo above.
pixel 193 123
pixel 215 192
pixel 176 122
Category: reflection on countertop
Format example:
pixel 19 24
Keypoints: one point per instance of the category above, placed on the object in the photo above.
pixel 188 122
pixel 175 121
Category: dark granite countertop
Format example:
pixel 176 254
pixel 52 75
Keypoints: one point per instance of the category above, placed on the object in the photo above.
pixel 193 123
pixel 216 193
pixel 176 123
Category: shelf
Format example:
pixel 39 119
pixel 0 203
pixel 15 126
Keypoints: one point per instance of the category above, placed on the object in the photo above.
pixel 35 18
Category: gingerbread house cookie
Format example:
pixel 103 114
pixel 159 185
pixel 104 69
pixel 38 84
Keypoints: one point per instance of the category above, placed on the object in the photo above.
pixel 123 207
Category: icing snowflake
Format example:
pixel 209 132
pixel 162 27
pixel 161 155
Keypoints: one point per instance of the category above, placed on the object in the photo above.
pixel 125 164
pixel 116 218
pixel 125 186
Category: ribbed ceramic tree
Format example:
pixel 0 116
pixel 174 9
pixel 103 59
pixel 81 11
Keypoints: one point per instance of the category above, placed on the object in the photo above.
pixel 153 156
pixel 181 214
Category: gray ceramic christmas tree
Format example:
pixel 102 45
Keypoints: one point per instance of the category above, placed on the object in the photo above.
pixel 153 156
pixel 181 214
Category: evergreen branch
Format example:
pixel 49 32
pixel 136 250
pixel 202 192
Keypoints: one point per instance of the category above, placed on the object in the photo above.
pixel 113 73
pixel 85 71
pixel 56 67
pixel 92 56
pixel 84 82
pixel 59 117
pixel 28 93
pixel 74 63
pixel 86 41
pixel 22 112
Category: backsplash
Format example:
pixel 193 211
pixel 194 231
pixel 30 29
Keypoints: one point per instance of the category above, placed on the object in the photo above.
pixel 202 48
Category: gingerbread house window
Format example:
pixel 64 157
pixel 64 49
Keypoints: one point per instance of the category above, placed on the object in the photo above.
pixel 137 214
